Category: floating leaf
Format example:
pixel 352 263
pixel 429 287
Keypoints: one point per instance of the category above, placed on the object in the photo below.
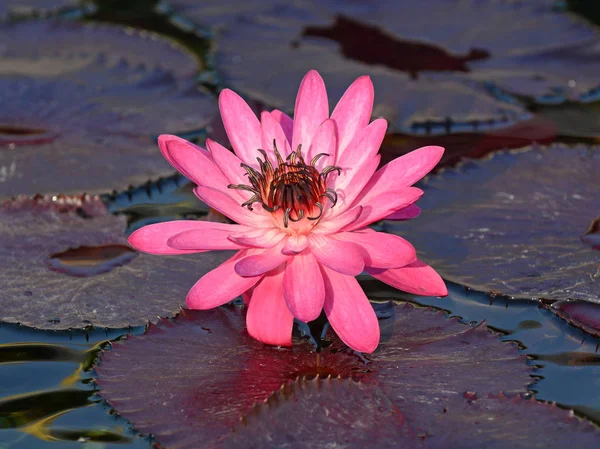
pixel 420 105
pixel 34 7
pixel 431 77
pixel 355 415
pixel 471 145
pixel 193 378
pixel 65 263
pixel 170 198
pixel 592 235
pixel 582 314
pixel 87 100
pixel 510 225
pixel 498 422
pixel 351 414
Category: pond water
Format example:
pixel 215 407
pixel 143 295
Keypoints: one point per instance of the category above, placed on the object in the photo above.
pixel 47 396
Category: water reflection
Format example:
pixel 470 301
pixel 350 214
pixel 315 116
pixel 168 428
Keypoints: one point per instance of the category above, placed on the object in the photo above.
pixel 46 392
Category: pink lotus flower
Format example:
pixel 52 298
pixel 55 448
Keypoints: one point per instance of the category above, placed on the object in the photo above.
pixel 303 192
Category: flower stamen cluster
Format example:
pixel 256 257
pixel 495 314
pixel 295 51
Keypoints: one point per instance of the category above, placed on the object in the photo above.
pixel 294 186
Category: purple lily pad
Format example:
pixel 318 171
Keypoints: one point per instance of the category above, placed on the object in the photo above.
pixel 592 235
pixel 30 7
pixel 511 224
pixel 456 75
pixel 355 415
pixel 65 263
pixel 194 378
pixel 87 100
pixel 471 145
pixel 585 315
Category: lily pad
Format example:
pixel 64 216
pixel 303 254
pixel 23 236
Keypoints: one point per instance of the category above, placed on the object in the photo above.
pixel 34 7
pixel 585 315
pixel 412 105
pixel 473 144
pixel 169 198
pixel 65 263
pixel 592 235
pixel 337 409
pixel 443 78
pixel 193 379
pixel 511 224
pixel 87 100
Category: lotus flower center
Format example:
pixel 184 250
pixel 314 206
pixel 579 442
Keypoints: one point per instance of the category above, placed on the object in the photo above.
pixel 292 188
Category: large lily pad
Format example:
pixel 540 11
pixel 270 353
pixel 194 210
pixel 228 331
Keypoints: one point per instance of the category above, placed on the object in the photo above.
pixel 430 76
pixel 511 224
pixel 87 100
pixel 65 263
pixel 412 105
pixel 473 144
pixel 190 381
pixel 39 7
pixel 582 314
pixel 355 415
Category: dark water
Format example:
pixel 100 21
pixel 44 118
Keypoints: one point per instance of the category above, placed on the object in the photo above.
pixel 47 397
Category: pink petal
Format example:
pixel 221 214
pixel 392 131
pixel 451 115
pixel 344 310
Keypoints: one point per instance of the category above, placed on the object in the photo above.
pixel 382 250
pixel 260 263
pixel 205 239
pixel 417 278
pixel 344 257
pixel 407 213
pixel 360 160
pixel 324 141
pixel 228 163
pixel 353 183
pixel 295 244
pixel 219 286
pixel 384 204
pixel 241 125
pixel 230 208
pixel 332 224
pixel 152 239
pixel 312 108
pixel 353 111
pixel 350 312
pixel 192 161
pixel 162 144
pixel 286 123
pixel 303 287
pixel 402 172
pixel 271 130
pixel 269 319
pixel 364 146
pixel 258 237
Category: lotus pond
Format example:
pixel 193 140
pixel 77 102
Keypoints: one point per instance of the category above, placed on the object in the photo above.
pixel 97 348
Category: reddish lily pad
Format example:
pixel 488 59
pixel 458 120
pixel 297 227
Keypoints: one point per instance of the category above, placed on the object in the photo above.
pixel 443 78
pixel 412 105
pixel 87 100
pixel 585 315
pixel 194 378
pixel 355 415
pixel 592 235
pixel 65 263
pixel 471 145
pixel 511 224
